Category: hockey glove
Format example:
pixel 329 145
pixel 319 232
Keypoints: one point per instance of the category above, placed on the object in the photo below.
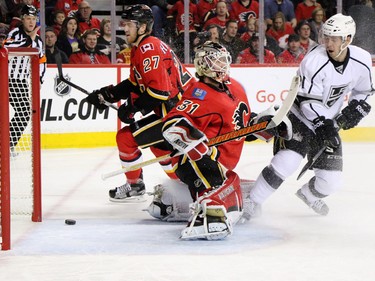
pixel 187 139
pixel 352 114
pixel 327 133
pixel 97 97
pixel 283 130
pixel 126 112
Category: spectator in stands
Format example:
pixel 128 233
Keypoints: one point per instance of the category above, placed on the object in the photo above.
pixel 58 19
pixel 15 15
pixel 280 29
pixel 204 7
pixel 294 53
pixel 49 6
pixel 124 55
pixel 105 39
pixel 4 25
pixel 212 33
pixel 305 9
pixel 364 15
pixel 231 41
pixel 89 53
pixel 251 29
pixel 177 15
pixel 219 16
pixel 251 54
pixel 269 42
pixel 242 10
pixel 51 49
pixel 316 23
pixel 85 19
pixel 159 10
pixel 69 38
pixel 2 38
pixel 303 29
pixel 3 11
pixel 271 7
pixel 70 7
pixel 329 7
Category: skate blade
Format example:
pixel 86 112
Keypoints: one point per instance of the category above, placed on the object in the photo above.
pixel 133 199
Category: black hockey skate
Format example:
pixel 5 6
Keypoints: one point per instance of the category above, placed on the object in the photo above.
pixel 128 192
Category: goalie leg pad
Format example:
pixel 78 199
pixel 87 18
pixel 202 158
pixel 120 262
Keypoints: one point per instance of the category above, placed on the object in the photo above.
pixel 207 227
pixel 215 212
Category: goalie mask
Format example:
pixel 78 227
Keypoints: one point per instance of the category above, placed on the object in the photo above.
pixel 212 60
pixel 140 14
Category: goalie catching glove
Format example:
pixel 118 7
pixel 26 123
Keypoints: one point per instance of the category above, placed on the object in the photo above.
pixel 352 114
pixel 187 139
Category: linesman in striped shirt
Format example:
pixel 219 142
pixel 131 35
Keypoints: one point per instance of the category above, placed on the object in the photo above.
pixel 19 72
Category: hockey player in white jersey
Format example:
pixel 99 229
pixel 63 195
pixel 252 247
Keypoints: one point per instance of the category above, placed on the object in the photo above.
pixel 329 72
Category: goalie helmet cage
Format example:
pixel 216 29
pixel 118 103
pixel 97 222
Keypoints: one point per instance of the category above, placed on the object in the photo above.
pixel 20 169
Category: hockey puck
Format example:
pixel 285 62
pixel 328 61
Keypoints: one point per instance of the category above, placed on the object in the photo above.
pixel 70 222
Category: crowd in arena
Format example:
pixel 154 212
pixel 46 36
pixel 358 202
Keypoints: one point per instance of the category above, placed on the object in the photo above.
pixel 291 27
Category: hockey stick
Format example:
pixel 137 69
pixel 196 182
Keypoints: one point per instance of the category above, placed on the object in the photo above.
pixel 252 129
pixel 62 78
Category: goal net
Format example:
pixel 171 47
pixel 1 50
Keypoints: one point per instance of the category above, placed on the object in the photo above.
pixel 20 173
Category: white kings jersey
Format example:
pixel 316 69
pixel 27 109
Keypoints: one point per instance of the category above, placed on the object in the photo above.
pixel 325 83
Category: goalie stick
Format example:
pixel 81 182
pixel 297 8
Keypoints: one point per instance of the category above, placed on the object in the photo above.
pixel 62 78
pixel 256 128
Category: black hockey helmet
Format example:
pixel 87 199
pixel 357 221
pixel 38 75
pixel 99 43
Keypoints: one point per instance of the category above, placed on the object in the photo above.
pixel 139 13
pixel 29 10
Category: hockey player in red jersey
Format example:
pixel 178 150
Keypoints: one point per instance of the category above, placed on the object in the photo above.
pixel 214 105
pixel 156 82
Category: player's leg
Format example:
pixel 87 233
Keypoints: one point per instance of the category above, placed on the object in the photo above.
pixel 287 158
pixel 328 179
pixel 129 155
pixel 140 134
pixel 167 165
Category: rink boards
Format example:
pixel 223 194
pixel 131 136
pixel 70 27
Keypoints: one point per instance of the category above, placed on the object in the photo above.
pixel 67 120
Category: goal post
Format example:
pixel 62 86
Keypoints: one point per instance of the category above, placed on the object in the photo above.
pixel 20 158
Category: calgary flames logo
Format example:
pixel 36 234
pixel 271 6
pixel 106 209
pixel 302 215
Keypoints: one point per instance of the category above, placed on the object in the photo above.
pixel 239 116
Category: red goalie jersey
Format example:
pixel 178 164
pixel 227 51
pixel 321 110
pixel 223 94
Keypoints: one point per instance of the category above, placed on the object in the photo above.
pixel 215 113
pixel 157 71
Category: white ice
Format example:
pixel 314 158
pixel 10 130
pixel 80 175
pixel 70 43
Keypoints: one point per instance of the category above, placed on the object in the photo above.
pixel 121 242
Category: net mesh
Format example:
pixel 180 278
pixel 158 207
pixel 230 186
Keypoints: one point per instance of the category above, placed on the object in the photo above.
pixel 21 164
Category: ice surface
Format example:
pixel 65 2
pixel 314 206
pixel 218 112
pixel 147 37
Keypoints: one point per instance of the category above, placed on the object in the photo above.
pixel 121 242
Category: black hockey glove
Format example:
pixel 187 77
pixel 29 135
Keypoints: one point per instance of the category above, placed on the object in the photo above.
pixel 352 114
pixel 126 112
pixel 97 97
pixel 327 133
